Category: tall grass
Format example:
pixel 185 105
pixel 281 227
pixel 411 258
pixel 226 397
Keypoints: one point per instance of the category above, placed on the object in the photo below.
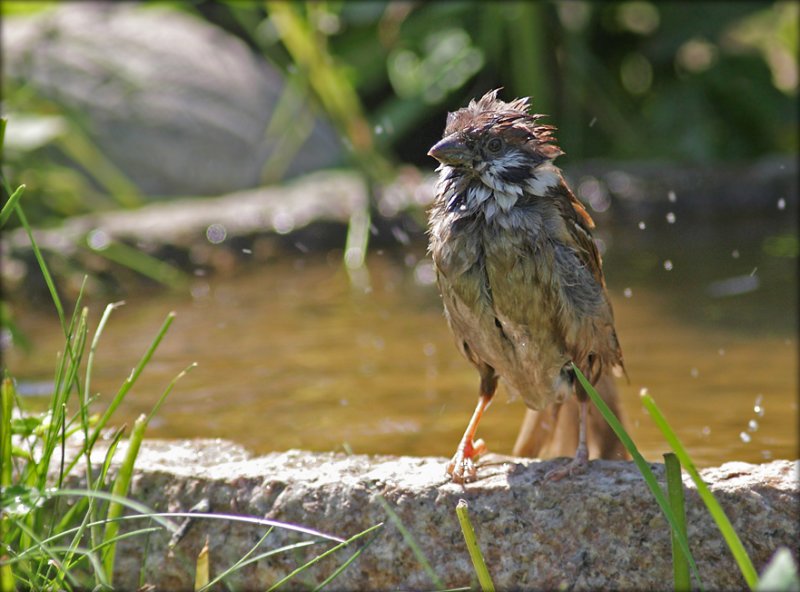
pixel 60 538
pixel 785 572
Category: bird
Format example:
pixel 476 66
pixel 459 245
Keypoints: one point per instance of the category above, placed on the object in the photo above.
pixel 521 281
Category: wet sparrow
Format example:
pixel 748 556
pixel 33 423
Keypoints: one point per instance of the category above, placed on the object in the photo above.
pixel 521 279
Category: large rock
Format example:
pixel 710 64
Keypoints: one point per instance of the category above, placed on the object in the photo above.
pixel 600 530
pixel 179 106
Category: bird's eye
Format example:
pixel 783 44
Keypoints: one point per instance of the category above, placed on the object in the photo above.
pixel 494 145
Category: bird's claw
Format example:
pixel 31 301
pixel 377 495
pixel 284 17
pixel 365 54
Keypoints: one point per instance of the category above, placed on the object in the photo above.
pixel 461 467
pixel 576 466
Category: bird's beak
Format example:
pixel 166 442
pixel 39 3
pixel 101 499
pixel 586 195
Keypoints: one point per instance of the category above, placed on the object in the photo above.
pixel 451 150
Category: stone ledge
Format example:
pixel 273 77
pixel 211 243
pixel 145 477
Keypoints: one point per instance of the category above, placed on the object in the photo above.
pixel 600 530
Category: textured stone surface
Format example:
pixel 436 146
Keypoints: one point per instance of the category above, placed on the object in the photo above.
pixel 600 530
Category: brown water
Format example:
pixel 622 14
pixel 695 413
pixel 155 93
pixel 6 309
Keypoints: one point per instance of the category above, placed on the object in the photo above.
pixel 290 355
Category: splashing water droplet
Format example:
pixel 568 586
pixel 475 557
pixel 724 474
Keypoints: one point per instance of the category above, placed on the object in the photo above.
pixel 98 239
pixel 781 204
pixel 672 197
pixel 642 225
pixel 670 217
pixel 735 253
pixel 668 265
pixel 694 372
pixel 721 351
pixel 628 292
pixel 643 392
pixel 745 437
pixel 758 409
pixel 216 233
pixel 752 425
pixel 706 431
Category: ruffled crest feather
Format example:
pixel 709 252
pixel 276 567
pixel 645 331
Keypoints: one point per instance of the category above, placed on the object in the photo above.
pixel 513 118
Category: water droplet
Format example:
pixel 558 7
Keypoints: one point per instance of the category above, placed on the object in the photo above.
pixel 98 240
pixel 643 392
pixel 735 253
pixel 745 437
pixel 283 222
pixel 379 129
pixel 425 273
pixel 200 290
pixel 758 409
pixel 247 251
pixel 672 197
pixel 642 225
pixel 670 217
pixel 694 372
pixel 216 233
pixel 766 454
pixel 752 425
pixel 781 204
pixel 721 351
pixel 429 349
pixel 628 292
pixel 706 431
pixel 668 265
pixel 593 121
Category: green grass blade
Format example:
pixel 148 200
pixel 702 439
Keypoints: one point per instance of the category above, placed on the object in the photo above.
pixel 412 544
pixel 780 574
pixel 249 558
pixel 48 279
pixel 681 580
pixel 345 564
pixel 308 564
pixel 168 390
pixel 716 511
pixel 131 380
pixel 201 569
pixel 6 407
pixel 3 124
pixel 161 516
pixel 9 206
pixel 151 267
pixel 90 358
pixel 642 465
pixel 484 579
pixel 120 490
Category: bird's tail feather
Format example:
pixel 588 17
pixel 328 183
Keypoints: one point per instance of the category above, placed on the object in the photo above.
pixel 553 431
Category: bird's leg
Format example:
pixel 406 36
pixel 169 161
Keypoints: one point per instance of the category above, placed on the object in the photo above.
pixel 461 467
pixel 581 461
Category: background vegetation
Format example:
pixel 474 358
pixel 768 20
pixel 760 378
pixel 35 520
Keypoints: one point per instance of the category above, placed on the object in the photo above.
pixel 696 82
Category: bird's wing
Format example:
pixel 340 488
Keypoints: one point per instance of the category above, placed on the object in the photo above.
pixel 588 319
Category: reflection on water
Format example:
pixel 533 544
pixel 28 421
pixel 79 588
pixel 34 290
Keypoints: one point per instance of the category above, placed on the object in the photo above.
pixel 290 356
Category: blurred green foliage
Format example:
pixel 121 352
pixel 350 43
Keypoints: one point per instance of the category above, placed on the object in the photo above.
pixel 694 81
pixel 688 81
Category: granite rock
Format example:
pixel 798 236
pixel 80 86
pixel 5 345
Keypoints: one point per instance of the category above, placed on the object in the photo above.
pixel 600 530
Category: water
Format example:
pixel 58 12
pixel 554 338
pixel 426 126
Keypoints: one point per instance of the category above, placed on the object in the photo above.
pixel 291 356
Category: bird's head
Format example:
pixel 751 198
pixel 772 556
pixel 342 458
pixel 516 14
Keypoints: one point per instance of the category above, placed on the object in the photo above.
pixel 499 144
